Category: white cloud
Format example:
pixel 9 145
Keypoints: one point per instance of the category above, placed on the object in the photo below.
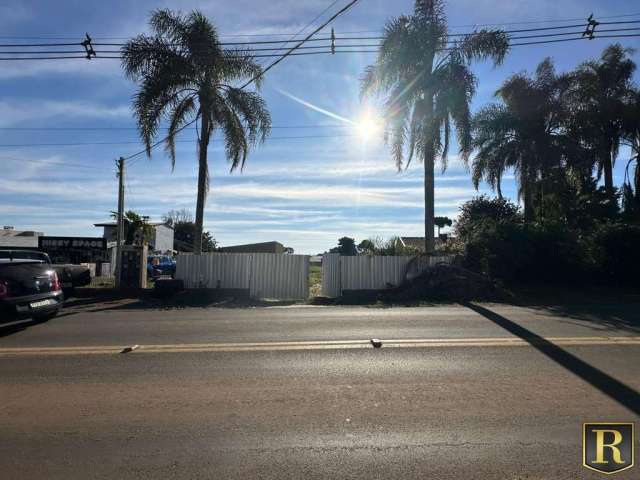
pixel 12 113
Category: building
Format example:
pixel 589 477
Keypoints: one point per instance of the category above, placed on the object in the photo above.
pixel 161 239
pixel 418 242
pixel 413 242
pixel 11 238
pixel 265 247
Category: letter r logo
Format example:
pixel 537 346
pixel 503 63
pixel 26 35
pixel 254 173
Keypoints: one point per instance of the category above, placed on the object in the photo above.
pixel 608 447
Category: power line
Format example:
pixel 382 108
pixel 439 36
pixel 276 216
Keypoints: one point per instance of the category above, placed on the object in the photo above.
pixel 83 144
pixel 287 34
pixel 136 128
pixel 345 48
pixel 54 36
pixel 319 39
pixel 531 22
pixel 295 47
pixel 107 54
pixel 311 23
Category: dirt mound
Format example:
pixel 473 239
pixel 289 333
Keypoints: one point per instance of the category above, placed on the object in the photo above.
pixel 448 282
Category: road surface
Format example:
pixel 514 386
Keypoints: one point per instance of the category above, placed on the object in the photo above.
pixel 455 392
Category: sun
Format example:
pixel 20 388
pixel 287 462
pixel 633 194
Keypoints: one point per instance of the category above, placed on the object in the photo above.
pixel 368 126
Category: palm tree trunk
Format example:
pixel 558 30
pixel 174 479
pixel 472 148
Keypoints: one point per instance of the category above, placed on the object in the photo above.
pixel 607 166
pixel 429 224
pixel 528 203
pixel 203 175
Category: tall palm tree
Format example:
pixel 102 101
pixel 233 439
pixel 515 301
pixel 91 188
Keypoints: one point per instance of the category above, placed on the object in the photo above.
pixel 632 140
pixel 525 131
pixel 185 76
pixel 427 83
pixel 601 93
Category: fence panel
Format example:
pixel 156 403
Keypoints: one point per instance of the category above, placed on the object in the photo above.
pixel 265 275
pixel 279 276
pixel 214 270
pixel 331 275
pixel 371 272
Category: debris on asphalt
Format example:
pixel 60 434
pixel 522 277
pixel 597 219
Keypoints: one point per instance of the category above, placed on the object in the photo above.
pixel 129 349
pixel 376 342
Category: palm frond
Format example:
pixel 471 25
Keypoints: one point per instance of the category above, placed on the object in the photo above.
pixel 483 45
pixel 177 119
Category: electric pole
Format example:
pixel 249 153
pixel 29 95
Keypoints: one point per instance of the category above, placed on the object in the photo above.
pixel 120 226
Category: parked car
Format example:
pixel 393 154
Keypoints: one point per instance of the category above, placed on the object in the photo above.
pixel 70 276
pixel 28 288
pixel 160 266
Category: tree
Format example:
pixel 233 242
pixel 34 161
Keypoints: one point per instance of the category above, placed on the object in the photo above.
pixel 631 187
pixel 427 83
pixel 442 222
pixel 601 94
pixel 137 230
pixel 173 217
pixel 186 76
pixel 481 211
pixel 184 232
pixel 346 247
pixel 366 247
pixel 525 131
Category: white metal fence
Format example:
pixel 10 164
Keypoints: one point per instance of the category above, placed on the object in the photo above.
pixel 101 275
pixel 370 272
pixel 265 275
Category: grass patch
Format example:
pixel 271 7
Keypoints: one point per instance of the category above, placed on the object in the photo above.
pixel 315 281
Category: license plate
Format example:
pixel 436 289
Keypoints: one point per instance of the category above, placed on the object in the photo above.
pixel 42 303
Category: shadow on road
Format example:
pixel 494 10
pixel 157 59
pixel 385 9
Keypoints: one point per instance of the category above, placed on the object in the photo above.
pixel 608 385
pixel 17 326
pixel 618 316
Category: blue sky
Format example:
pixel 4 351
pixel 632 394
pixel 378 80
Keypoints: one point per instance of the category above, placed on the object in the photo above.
pixel 303 192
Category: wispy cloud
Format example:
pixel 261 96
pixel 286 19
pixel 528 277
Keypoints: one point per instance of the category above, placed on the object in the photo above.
pixel 15 113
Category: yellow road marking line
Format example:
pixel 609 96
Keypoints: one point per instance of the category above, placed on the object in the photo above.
pixel 317 345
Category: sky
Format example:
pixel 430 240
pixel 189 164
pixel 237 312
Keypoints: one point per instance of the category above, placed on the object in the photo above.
pixel 304 192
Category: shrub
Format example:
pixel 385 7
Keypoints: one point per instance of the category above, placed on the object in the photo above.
pixel 526 253
pixel 616 251
pixel 483 212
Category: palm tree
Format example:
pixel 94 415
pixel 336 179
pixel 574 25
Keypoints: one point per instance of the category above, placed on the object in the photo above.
pixel 632 140
pixel 442 222
pixel 601 94
pixel 185 76
pixel 525 131
pixel 427 83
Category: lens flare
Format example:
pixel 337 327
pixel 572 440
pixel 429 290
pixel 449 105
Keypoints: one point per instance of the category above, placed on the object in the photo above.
pixel 368 126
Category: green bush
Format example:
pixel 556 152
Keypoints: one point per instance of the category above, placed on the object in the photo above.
pixel 483 212
pixel 526 253
pixel 616 252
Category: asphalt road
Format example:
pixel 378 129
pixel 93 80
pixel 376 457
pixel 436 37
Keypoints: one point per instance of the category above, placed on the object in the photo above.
pixel 482 392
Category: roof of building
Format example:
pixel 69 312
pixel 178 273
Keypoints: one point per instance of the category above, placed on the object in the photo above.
pixel 114 224
pixel 274 247
pixel 18 241
pixel 10 232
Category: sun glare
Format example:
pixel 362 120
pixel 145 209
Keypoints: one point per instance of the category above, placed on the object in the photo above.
pixel 368 126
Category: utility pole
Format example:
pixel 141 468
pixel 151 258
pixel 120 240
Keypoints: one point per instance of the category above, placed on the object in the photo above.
pixel 120 227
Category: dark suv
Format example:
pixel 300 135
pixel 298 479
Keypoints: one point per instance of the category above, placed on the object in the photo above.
pixel 28 288
pixel 70 276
